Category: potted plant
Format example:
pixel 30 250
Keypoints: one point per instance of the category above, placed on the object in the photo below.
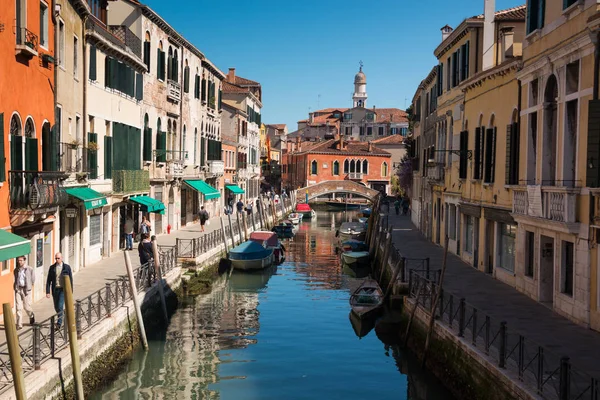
pixel 93 146
pixel 75 143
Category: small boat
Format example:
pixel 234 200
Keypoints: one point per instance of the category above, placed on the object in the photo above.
pixel 251 256
pixel 352 230
pixel 296 218
pixel 367 299
pixel 342 205
pixel 356 257
pixel 356 271
pixel 366 212
pixel 361 326
pixel 363 220
pixel 284 230
pixel 270 240
pixel 305 210
pixel 354 245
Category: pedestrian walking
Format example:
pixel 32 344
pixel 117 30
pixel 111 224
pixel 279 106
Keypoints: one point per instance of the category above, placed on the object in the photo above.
pixel 249 208
pixel 128 230
pixel 145 250
pixel 54 284
pixel 397 206
pixel 24 280
pixel 405 205
pixel 203 217
pixel 240 206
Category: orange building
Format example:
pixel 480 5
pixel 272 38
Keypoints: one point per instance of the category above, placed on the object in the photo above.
pixel 334 160
pixel 28 198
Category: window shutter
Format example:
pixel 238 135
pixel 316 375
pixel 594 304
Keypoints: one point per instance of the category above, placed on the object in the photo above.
pixel 147 55
pixel 478 154
pixel 186 80
pixel 490 150
pixel 115 81
pixel 529 15
pixel 509 155
pixel 31 154
pixel 203 151
pixel 541 10
pixel 197 87
pixel 467 60
pixel 93 76
pixel 136 133
pixel 93 157
pixel 448 78
pixel 464 144
pixel 16 153
pixel 147 150
pixel 161 65
pixel 139 86
pixel 169 67
pixel 203 89
pixel 2 154
pixel 593 149
pixel 108 157
pixel 220 100
pixel 493 163
pixel 175 74
pixel 107 72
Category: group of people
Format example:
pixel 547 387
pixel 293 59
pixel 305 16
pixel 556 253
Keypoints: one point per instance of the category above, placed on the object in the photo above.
pixel 402 203
pixel 129 230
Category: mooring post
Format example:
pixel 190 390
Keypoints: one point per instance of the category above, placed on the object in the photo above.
pixel 231 230
pixel 565 379
pixel 73 344
pixel 224 235
pixel 245 226
pixel 161 290
pixel 14 354
pixel 386 252
pixel 136 302
pixel 253 223
pixel 502 349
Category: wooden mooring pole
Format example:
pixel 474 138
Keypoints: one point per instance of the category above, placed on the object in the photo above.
pixel 73 344
pixel 386 254
pixel 14 354
pixel 245 226
pixel 136 302
pixel 231 231
pixel 159 282
pixel 435 302
pixel 224 235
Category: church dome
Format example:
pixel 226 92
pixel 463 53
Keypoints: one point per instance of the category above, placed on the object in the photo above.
pixel 360 78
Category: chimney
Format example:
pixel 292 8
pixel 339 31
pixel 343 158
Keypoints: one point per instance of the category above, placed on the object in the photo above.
pixel 231 75
pixel 298 144
pixel 489 11
pixel 446 31
pixel 508 36
pixel 370 147
pixel 341 142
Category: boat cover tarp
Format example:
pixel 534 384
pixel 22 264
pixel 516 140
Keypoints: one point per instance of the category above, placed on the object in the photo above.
pixel 260 237
pixel 348 227
pixel 302 207
pixel 249 251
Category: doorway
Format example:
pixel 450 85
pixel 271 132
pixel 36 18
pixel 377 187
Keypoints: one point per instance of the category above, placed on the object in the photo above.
pixel 547 270
pixel 475 242
pixel 489 247
pixel 171 220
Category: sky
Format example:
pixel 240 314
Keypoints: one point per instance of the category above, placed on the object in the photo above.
pixel 305 53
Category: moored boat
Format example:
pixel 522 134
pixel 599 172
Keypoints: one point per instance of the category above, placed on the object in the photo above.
pixel 361 326
pixel 356 257
pixel 342 205
pixel 284 229
pixel 354 245
pixel 270 240
pixel 251 256
pixel 366 212
pixel 367 299
pixel 296 218
pixel 305 210
pixel 352 230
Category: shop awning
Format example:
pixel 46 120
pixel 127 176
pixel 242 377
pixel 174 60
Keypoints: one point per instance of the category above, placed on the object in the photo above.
pixel 149 204
pixel 13 246
pixel 91 199
pixel 208 191
pixel 235 189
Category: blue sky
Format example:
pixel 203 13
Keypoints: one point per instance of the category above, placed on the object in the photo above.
pixel 299 50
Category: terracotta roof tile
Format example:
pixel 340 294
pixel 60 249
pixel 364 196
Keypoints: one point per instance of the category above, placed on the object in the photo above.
pixel 329 110
pixel 330 147
pixel 391 115
pixel 278 126
pixel 238 80
pixel 229 88
pixel 510 14
pixel 392 139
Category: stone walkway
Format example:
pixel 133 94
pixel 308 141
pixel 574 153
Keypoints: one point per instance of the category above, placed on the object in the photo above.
pixel 503 303
pixel 94 277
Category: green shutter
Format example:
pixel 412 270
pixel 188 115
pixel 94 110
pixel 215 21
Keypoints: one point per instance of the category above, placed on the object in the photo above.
pixel 220 99
pixel 509 155
pixel 16 153
pixel 135 147
pixel 158 63
pixel 541 12
pixel 147 144
pixel 93 156
pixel 203 89
pixel 202 151
pixel 186 80
pixel 147 55
pixel 2 155
pixel 464 145
pixel 593 145
pixel 115 74
pixel 108 72
pixel 161 146
pixel 467 60
pixel 108 157
pixel 139 87
pixel 169 67
pixel 477 163
pixel 31 154
pixel 93 63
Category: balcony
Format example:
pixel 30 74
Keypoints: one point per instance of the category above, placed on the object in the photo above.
pixel 173 91
pixel 552 203
pixel 36 190
pixel 435 173
pixel 71 157
pixel 27 43
pixel 131 181
pixel 215 168
pixel 174 169
pixel 128 38
pixel 355 176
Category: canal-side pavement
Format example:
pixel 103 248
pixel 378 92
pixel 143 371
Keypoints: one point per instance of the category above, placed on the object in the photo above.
pixel 501 302
pixel 94 277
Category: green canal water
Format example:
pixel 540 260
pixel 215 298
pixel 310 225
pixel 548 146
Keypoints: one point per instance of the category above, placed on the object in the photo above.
pixel 285 333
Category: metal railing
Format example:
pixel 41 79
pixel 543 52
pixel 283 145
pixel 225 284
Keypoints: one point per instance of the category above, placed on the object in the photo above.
pixel 192 248
pixel 44 339
pixel 36 190
pixel 548 374
pixel 27 38
pixel 71 157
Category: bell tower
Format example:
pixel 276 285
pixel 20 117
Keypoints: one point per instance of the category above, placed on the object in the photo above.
pixel 359 98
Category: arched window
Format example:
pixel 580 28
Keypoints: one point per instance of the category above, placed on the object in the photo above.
pixel 29 128
pixel 183 146
pixel 170 63
pixel 175 67
pixel 161 143
pixel 365 167
pixel 384 169
pixel 146 121
pixel 346 166
pixel 160 62
pixel 15 126
pixel 147 49
pixel 313 167
pixel 186 77
pixel 358 166
pixel 352 167
pixel 174 140
pixel 336 167
pixel 195 145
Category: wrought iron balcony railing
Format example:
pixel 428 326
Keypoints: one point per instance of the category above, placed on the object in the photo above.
pixel 131 181
pixel 36 190
pixel 27 41
pixel 71 157
pixel 355 175
pixel 174 156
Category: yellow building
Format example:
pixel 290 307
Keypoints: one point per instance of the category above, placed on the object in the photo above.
pixel 559 167
pixel 263 142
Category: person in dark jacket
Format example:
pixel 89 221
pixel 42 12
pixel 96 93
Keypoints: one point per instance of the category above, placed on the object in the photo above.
pixel 145 250
pixel 55 282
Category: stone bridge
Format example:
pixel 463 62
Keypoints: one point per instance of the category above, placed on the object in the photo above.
pixel 329 187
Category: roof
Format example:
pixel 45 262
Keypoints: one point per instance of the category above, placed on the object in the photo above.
pixel 238 80
pixel 229 88
pixel 391 139
pixel 510 14
pixel 330 110
pixel 331 147
pixel 277 126
pixel 391 115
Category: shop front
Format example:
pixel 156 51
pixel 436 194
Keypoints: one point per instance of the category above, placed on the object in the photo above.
pixel 207 195
pixel 232 192
pixel 11 247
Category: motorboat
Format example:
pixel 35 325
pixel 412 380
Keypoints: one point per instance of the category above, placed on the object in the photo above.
pixel 285 229
pixel 251 255
pixel 358 258
pixel 367 300
pixel 305 210
pixel 270 240
pixel 352 230
pixel 354 245
pixel 295 218
pixel 342 205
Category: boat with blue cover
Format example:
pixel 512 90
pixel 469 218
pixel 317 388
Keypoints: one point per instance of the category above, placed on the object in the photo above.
pixel 366 212
pixel 358 258
pixel 251 256
pixel 354 245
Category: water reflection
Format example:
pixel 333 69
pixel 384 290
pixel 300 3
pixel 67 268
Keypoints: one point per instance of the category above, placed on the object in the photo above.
pixel 279 334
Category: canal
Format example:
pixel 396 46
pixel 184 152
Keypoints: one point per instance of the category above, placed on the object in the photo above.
pixel 283 334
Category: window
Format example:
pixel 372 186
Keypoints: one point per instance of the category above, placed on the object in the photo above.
pixel 195 145
pixel 95 229
pixel 512 154
pixel 529 253
pixel 567 262
pixel 336 168
pixel 506 256
pixel 468 234
pixel 381 131
pixel 346 166
pixel 464 61
pixel 61 43
pixel 348 130
pixel 347 116
pixel 352 166
pixel 370 116
pixel 366 167
pixel 384 169
pixel 122 77
pixel 44 25
pixel 21 20
pixel 75 56
pixel 568 3
pixel 147 48
pixel 478 164
pixel 452 222
pixel 369 130
pixel 93 75
pixel 362 131
pixel 535 14
pixel 160 63
pixel 313 167
pixel 186 78
pixel 490 155
pixel 5 266
pixel 464 143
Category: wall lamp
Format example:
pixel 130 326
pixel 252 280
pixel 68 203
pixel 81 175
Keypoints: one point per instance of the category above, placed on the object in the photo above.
pixel 460 153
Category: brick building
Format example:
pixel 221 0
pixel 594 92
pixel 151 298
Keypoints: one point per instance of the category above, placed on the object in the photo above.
pixel 310 163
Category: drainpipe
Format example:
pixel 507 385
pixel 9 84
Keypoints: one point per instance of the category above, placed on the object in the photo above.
pixel 54 22
pixel 596 66
pixel 84 125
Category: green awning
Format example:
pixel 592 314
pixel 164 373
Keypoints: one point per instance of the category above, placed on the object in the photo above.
pixel 208 191
pixel 149 204
pixel 91 199
pixel 13 246
pixel 235 189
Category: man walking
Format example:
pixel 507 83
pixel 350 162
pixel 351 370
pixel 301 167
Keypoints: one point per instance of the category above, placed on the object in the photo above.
pixel 240 206
pixel 128 229
pixel 24 280
pixel 203 218
pixel 54 284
